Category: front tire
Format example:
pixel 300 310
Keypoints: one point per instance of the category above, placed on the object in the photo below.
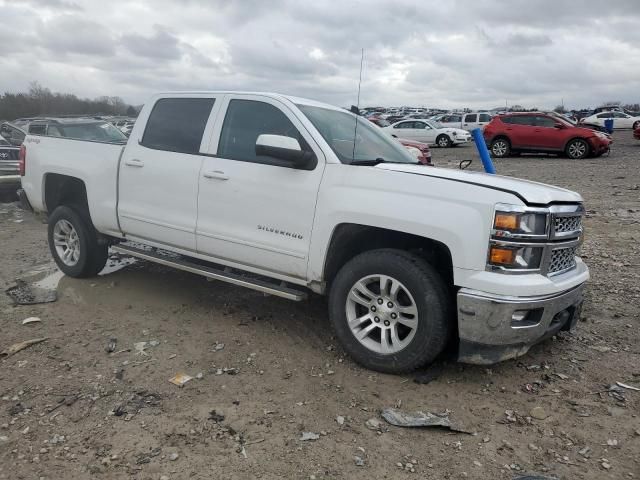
pixel 577 149
pixel 443 141
pixel 74 243
pixel 391 310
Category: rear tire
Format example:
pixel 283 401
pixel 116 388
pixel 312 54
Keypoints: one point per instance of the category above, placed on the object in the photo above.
pixel 500 147
pixel 443 141
pixel 74 243
pixel 577 149
pixel 372 297
pixel 636 124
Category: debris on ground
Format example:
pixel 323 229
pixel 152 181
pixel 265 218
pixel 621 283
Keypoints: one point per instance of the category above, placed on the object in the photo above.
pixel 139 348
pixel 628 387
pixel 309 436
pixel 111 345
pixel 216 416
pixel 23 293
pixel 16 347
pixel 340 420
pixel 538 413
pixel 374 424
pixel 358 460
pixel 29 320
pixel 420 419
pixel 180 379
pixel 135 403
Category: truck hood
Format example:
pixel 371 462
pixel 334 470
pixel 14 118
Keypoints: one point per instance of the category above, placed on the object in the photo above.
pixel 527 191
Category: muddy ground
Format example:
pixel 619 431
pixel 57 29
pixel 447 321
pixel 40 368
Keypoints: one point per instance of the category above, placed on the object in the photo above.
pixel 69 409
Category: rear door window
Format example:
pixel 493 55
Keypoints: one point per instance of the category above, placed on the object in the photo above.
pixel 485 117
pixel 471 118
pixel 545 122
pixel 177 124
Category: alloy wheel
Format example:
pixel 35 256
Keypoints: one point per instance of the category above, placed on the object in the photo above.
pixel 577 150
pixel 66 242
pixel 382 314
pixel 499 148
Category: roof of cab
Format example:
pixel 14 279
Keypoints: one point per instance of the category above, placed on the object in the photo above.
pixel 280 96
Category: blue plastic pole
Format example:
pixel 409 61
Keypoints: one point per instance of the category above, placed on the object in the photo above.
pixel 483 151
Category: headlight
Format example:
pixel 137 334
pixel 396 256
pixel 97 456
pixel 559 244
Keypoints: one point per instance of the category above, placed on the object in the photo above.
pixel 518 222
pixel 515 257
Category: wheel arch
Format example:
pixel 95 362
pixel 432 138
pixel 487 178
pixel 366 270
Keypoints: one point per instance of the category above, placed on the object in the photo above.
pixel 577 137
pixel 349 240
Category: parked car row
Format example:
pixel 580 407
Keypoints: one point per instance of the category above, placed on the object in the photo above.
pixel 620 119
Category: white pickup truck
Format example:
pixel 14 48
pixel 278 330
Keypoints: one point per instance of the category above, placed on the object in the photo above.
pixel 288 196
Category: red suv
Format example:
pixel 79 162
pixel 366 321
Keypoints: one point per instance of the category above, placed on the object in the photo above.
pixel 542 133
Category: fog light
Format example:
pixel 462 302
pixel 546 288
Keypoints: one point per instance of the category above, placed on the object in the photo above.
pixel 526 318
pixel 519 315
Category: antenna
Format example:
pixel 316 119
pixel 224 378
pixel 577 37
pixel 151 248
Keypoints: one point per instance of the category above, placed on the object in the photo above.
pixel 357 112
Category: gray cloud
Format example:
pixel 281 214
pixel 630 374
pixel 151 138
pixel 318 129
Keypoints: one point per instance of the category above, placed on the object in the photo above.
pixel 160 45
pixel 446 54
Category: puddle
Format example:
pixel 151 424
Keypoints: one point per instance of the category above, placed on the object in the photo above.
pixel 40 285
pixel 23 293
pixel 51 281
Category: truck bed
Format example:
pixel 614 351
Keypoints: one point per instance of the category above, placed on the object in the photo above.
pixel 95 163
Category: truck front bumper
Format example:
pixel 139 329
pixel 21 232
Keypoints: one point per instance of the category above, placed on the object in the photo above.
pixel 495 328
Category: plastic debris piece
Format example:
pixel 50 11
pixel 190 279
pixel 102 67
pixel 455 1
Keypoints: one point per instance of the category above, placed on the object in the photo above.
pixel 306 436
pixel 16 347
pixel 139 348
pixel 29 320
pixel 111 346
pixel 628 387
pixel 180 379
pixel 419 419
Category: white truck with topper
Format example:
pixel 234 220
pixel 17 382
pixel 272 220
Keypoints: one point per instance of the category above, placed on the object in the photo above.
pixel 277 194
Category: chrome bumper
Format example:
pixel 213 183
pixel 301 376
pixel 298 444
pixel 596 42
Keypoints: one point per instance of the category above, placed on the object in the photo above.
pixel 495 328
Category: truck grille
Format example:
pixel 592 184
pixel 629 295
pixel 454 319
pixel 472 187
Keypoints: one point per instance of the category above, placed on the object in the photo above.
pixel 562 259
pixel 567 224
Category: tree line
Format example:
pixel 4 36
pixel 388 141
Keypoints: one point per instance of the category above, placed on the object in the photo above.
pixel 39 101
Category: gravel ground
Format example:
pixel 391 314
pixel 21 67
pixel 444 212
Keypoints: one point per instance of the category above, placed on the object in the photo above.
pixel 266 370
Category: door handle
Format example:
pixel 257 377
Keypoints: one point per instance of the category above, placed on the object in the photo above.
pixel 215 174
pixel 134 162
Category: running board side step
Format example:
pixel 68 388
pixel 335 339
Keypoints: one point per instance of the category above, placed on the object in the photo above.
pixel 224 274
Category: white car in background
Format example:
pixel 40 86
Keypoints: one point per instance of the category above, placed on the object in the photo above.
pixel 428 131
pixel 620 119
pixel 465 121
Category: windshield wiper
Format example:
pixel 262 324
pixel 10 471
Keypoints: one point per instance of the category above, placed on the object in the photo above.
pixel 378 161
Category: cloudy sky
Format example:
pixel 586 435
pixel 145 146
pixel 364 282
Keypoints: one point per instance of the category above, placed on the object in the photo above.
pixel 450 53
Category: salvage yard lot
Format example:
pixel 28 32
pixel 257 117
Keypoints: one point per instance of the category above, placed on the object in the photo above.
pixel 280 372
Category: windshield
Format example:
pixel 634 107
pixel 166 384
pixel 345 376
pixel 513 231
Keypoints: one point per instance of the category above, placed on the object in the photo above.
pixel 338 130
pixel 100 132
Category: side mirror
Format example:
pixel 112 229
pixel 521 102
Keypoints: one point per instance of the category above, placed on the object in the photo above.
pixel 284 148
